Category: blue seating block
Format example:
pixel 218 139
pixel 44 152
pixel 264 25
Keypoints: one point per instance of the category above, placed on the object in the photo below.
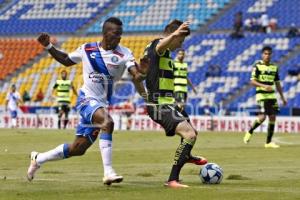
pixel 27 20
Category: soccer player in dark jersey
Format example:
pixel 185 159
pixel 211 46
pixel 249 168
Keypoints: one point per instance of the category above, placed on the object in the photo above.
pixel 61 90
pixel 265 77
pixel 161 103
pixel 181 80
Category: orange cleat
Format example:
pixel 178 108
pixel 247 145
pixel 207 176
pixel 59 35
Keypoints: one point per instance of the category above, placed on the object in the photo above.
pixel 197 160
pixel 175 184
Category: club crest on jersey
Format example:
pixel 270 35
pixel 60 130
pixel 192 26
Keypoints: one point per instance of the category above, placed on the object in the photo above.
pixel 114 59
pixel 93 55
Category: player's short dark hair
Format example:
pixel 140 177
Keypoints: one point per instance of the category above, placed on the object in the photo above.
pixel 113 20
pixel 267 48
pixel 173 26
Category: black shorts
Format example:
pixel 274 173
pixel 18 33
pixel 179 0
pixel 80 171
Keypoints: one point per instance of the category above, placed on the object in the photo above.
pixel 180 97
pixel 268 107
pixel 168 116
pixel 65 108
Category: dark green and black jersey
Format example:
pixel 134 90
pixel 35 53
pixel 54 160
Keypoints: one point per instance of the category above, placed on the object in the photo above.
pixel 63 91
pixel 265 74
pixel 180 77
pixel 160 78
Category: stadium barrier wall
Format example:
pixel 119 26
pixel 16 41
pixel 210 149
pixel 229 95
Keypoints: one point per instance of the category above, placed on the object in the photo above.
pixel 143 122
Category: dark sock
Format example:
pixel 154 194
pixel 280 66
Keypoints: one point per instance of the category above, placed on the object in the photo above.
pixel 59 123
pixel 256 124
pixel 271 127
pixel 182 154
pixel 65 123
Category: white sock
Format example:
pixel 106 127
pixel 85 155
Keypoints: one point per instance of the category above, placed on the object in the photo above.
pixel 105 144
pixel 14 122
pixel 59 153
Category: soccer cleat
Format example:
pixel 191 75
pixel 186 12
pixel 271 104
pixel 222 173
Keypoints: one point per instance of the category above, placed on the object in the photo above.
pixel 247 137
pixel 112 178
pixel 271 145
pixel 33 167
pixel 197 160
pixel 175 184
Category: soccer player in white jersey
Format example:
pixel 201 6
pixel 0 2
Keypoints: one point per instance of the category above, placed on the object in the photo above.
pixel 103 63
pixel 13 99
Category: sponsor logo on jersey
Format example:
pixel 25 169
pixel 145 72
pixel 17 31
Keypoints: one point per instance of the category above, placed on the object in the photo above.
pixel 100 77
pixel 118 53
pixel 90 48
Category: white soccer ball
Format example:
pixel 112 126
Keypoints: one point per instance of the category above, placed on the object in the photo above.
pixel 211 173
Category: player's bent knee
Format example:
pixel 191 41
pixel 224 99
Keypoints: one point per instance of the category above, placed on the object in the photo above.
pixel 189 134
pixel 192 136
pixel 108 126
pixel 262 118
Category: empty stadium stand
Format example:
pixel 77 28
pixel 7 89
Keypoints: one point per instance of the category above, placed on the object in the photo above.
pixel 235 58
pixel 43 74
pixel 152 15
pixel 285 11
pixel 16 52
pixel 28 16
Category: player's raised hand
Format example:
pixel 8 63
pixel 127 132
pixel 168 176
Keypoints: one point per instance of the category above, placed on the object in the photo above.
pixel 44 39
pixel 183 29
pixel 144 65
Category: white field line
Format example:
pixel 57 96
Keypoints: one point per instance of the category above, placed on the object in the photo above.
pixel 281 140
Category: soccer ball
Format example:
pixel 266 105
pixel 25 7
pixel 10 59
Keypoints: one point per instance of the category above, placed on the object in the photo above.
pixel 211 173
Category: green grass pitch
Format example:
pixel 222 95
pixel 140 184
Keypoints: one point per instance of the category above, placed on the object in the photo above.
pixel 144 159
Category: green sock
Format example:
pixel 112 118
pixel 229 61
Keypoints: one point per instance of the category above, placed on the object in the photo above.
pixel 182 154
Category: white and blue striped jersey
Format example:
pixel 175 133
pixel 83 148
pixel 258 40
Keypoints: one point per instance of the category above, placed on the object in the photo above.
pixel 101 68
pixel 13 99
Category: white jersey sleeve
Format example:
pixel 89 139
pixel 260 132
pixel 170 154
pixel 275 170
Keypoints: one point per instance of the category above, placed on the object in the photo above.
pixel 76 56
pixel 130 61
pixel 18 96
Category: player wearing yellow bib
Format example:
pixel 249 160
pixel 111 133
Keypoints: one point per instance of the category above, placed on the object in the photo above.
pixel 62 89
pixel 181 80
pixel 265 77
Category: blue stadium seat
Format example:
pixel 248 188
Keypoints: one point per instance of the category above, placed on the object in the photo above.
pixel 235 57
pixel 152 15
pixel 27 17
pixel 285 11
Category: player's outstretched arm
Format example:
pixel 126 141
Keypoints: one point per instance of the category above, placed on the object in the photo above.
pixel 139 71
pixel 138 74
pixel 192 86
pixel 137 79
pixel 164 43
pixel 279 89
pixel 60 56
